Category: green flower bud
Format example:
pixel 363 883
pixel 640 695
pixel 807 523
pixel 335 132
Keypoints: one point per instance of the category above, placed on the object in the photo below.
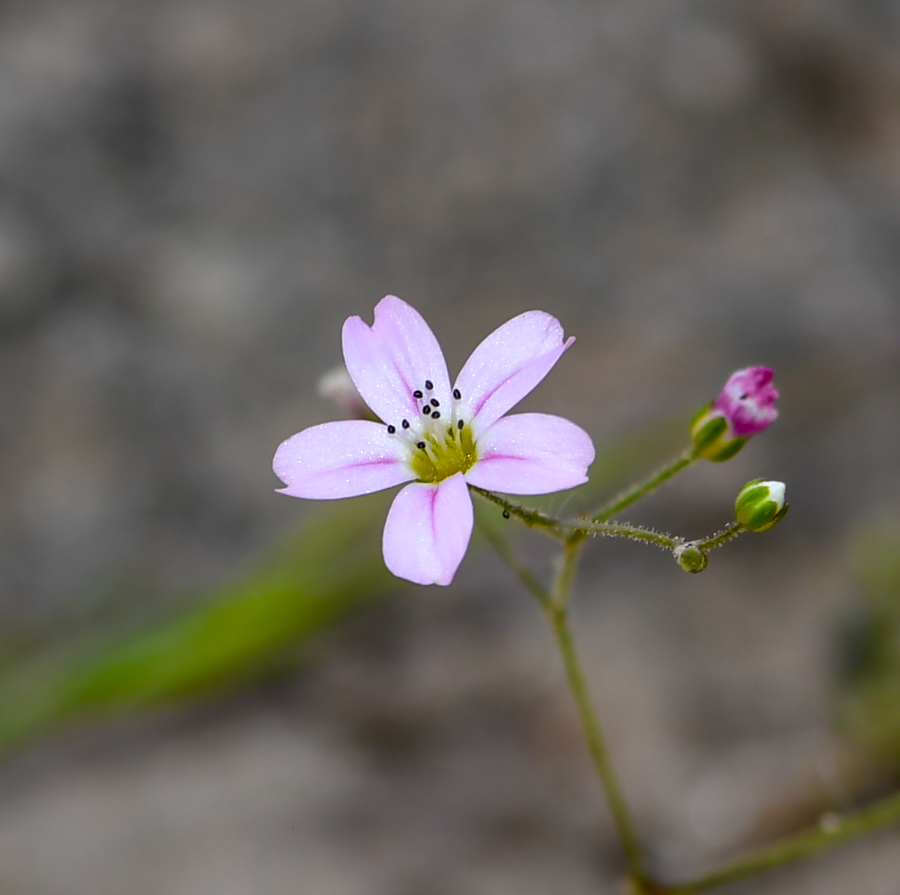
pixel 760 505
pixel 745 408
pixel 712 436
pixel 690 557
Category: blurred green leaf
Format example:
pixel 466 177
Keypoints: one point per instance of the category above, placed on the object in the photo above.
pixel 236 634
pixel 331 567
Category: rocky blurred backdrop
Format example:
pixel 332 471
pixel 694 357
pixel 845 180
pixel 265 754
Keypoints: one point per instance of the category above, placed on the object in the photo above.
pixel 195 193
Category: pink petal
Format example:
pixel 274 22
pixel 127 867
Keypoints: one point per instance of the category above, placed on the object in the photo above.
pixel 748 401
pixel 341 459
pixel 532 453
pixel 507 365
pixel 427 531
pixel 393 358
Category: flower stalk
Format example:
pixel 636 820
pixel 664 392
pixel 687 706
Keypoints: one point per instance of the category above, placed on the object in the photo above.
pixel 642 489
pixel 558 616
pixel 441 442
pixel 833 829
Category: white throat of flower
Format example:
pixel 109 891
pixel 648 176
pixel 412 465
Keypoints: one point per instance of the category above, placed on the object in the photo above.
pixel 439 440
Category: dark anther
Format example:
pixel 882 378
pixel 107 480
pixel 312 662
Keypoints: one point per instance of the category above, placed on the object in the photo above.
pixel 743 397
pixel 417 394
pixel 392 430
pixel 436 415
pixel 435 402
pixel 457 393
pixel 429 384
pixel 460 425
pixel 421 445
pixel 506 514
pixel 405 424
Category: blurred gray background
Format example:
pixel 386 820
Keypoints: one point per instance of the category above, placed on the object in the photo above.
pixel 195 194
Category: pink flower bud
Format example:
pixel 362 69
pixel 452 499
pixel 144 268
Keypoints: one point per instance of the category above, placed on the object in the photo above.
pixel 748 401
pixel 745 407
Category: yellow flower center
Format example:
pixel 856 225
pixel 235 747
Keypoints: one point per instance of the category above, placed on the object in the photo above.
pixel 440 443
pixel 444 454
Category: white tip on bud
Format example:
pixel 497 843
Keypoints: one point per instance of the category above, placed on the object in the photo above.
pixel 760 505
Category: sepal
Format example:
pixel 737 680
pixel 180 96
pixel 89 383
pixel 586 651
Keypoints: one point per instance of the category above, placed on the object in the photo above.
pixel 760 505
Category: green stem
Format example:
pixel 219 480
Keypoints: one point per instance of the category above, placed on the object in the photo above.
pixel 532 518
pixel 565 573
pixel 832 831
pixel 558 617
pixel 624 530
pixel 554 605
pixel 577 529
pixel 732 530
pixel 636 492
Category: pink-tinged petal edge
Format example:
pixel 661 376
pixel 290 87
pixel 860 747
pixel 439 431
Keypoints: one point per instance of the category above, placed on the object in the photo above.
pixel 532 453
pixel 748 401
pixel 391 359
pixel 341 459
pixel 507 365
pixel 427 531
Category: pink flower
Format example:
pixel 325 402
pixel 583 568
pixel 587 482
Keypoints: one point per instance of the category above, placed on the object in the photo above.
pixel 438 438
pixel 748 401
pixel 745 407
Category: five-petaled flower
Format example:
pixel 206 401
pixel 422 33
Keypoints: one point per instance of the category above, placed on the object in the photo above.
pixel 437 437
pixel 745 407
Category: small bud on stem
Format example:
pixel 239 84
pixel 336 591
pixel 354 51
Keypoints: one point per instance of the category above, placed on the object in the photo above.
pixel 745 407
pixel 690 557
pixel 760 505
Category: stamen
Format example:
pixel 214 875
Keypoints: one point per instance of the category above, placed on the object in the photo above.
pixel 439 443
pixel 506 514
pixel 392 430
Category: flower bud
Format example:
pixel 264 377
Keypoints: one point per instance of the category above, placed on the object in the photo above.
pixel 760 505
pixel 691 558
pixel 745 407
pixel 337 386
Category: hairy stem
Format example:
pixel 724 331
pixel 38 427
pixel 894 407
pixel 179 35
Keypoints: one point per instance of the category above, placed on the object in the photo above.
pixel 532 518
pixel 732 530
pixel 624 530
pixel 575 530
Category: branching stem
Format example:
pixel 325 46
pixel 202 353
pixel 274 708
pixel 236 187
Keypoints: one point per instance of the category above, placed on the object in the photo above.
pixel 833 829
